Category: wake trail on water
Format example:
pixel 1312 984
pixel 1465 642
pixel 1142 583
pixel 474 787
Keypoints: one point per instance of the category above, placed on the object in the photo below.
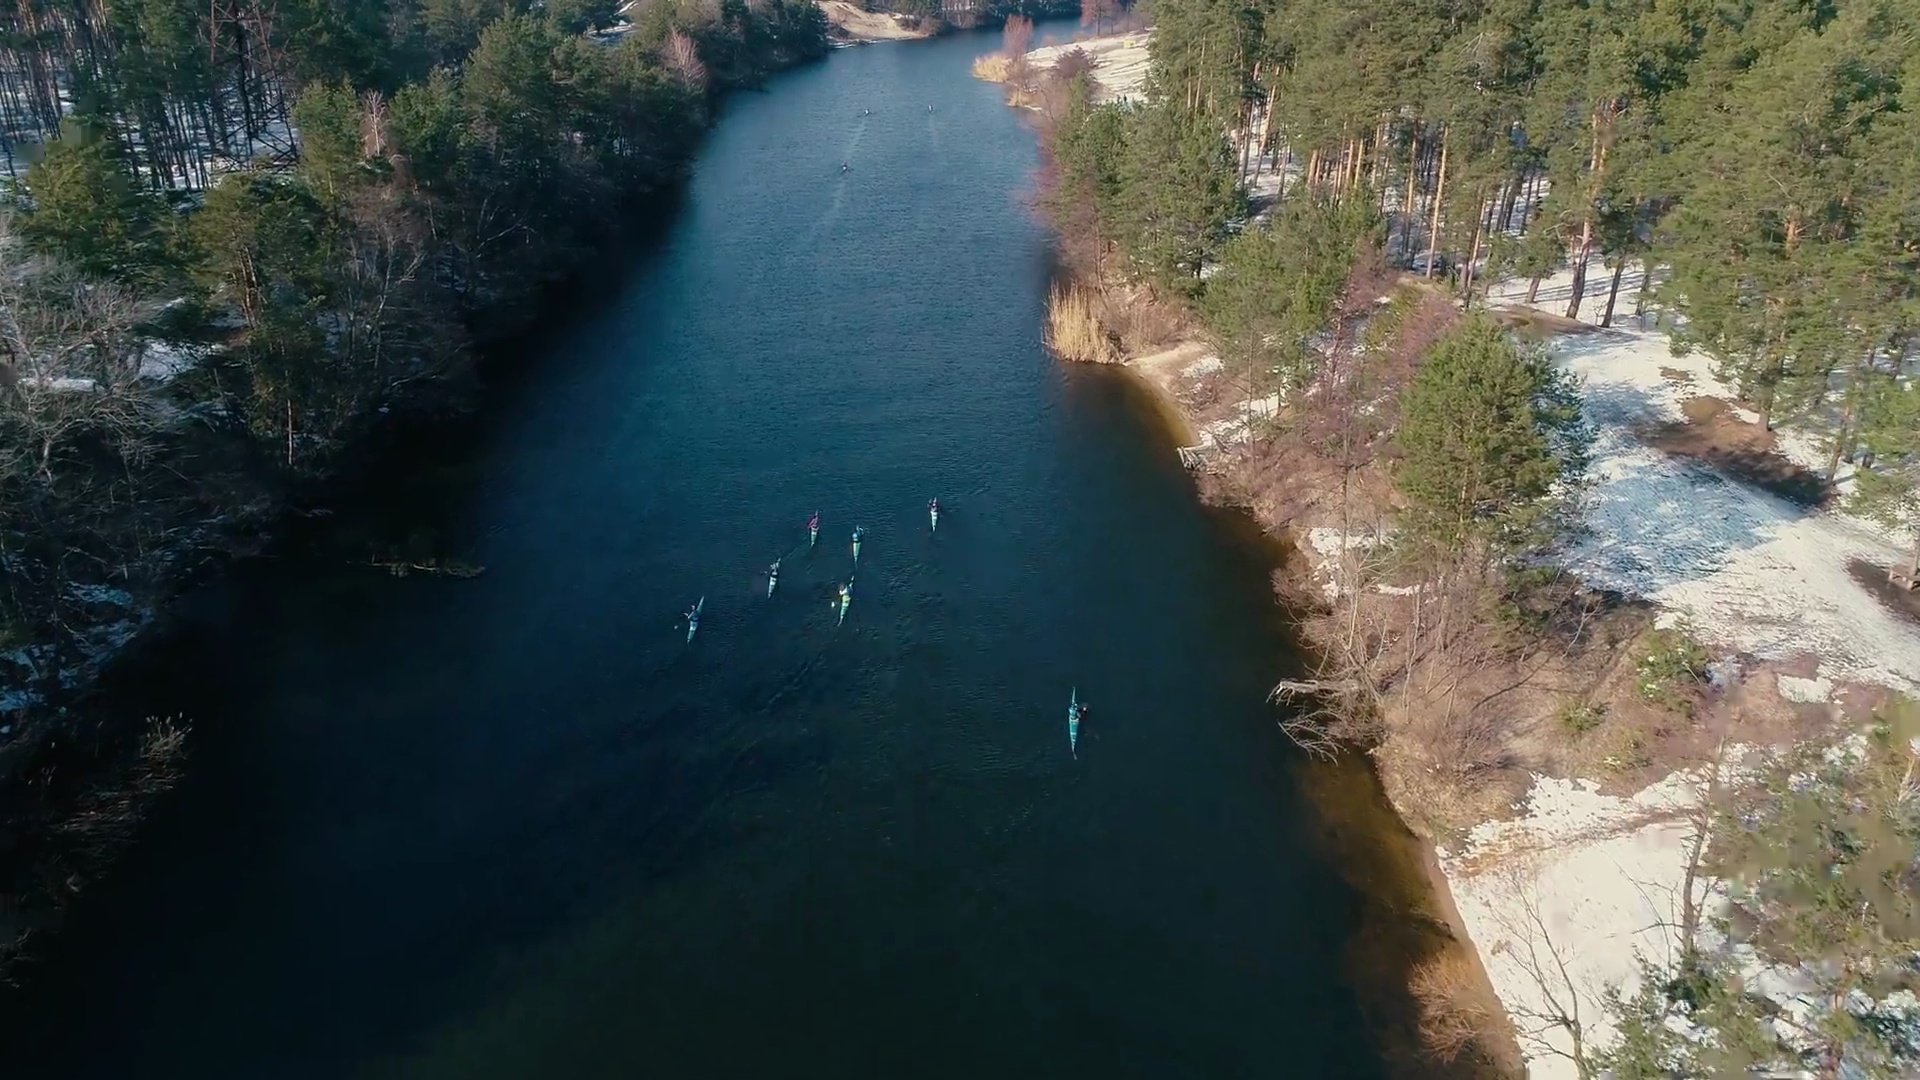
pixel 839 199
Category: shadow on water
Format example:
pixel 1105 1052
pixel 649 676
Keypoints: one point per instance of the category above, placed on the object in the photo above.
pixel 1400 920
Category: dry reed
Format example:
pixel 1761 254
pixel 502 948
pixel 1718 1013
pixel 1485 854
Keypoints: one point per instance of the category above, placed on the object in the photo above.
pixel 993 67
pixel 1455 1011
pixel 1073 330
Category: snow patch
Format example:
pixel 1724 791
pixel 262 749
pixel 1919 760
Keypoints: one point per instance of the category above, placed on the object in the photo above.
pixel 1562 901
pixel 1814 691
pixel 1120 63
pixel 161 361
pixel 1206 365
pixel 1746 569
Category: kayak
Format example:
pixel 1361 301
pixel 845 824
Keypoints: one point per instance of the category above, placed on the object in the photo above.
pixel 846 601
pixel 933 514
pixel 857 534
pixel 693 618
pixel 1074 709
pixel 813 529
pixel 773 577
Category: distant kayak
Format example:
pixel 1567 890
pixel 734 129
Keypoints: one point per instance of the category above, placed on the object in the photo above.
pixel 858 533
pixel 933 515
pixel 846 601
pixel 813 529
pixel 773 577
pixel 693 618
pixel 1074 712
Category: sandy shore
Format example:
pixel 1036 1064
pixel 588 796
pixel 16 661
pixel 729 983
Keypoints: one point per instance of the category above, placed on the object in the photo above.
pixel 1120 62
pixel 851 24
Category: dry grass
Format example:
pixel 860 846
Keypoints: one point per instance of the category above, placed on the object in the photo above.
pixel 1073 329
pixel 1456 1011
pixel 993 67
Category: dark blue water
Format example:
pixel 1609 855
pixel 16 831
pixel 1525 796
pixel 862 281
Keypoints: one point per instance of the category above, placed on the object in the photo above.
pixel 514 826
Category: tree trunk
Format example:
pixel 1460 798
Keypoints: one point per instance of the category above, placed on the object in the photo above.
pixel 1533 195
pixel 1613 292
pixel 1266 130
pixel 1581 255
pixel 1439 197
pixel 1533 288
pixel 1482 223
pixel 1246 140
pixel 1406 205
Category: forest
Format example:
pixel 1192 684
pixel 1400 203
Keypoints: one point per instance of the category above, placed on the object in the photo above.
pixel 1756 158
pixel 243 239
pixel 1326 194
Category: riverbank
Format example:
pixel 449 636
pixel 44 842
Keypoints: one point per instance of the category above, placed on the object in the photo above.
pixel 1456 1000
pixel 76 778
pixel 1564 816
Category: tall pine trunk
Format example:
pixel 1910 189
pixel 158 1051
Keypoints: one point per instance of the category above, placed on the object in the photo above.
pixel 1581 255
pixel 1406 205
pixel 1439 198
pixel 1613 292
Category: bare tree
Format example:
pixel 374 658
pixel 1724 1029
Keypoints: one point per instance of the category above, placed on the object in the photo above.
pixel 682 57
pixel 78 428
pixel 1551 1025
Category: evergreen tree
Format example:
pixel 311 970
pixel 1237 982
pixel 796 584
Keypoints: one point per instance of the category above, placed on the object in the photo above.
pixel 1277 285
pixel 1490 434
pixel 1177 192
pixel 84 207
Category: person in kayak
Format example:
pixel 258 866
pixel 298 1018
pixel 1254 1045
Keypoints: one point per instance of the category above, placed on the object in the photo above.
pixel 773 576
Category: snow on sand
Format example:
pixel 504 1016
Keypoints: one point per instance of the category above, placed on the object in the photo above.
pixel 1120 63
pixel 1746 569
pixel 860 25
pixel 1562 901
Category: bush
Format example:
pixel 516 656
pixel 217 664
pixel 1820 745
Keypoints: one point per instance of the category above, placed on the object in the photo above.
pixel 1579 717
pixel 993 67
pixel 1673 665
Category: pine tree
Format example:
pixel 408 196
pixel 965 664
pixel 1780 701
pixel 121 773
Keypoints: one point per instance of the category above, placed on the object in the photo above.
pixel 1489 434
pixel 1177 193
pixel 1276 286
pixel 85 209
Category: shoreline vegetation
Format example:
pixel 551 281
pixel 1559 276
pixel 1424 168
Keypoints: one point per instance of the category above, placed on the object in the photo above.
pixel 1588 586
pixel 235 272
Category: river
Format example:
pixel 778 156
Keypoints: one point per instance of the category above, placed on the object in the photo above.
pixel 516 826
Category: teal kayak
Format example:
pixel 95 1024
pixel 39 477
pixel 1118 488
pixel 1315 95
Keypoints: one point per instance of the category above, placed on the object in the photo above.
pixel 693 618
pixel 1074 711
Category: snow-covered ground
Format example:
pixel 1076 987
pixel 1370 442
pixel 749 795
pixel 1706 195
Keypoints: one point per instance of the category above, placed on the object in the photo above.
pixel 1746 569
pixel 858 24
pixel 1562 900
pixel 1120 62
